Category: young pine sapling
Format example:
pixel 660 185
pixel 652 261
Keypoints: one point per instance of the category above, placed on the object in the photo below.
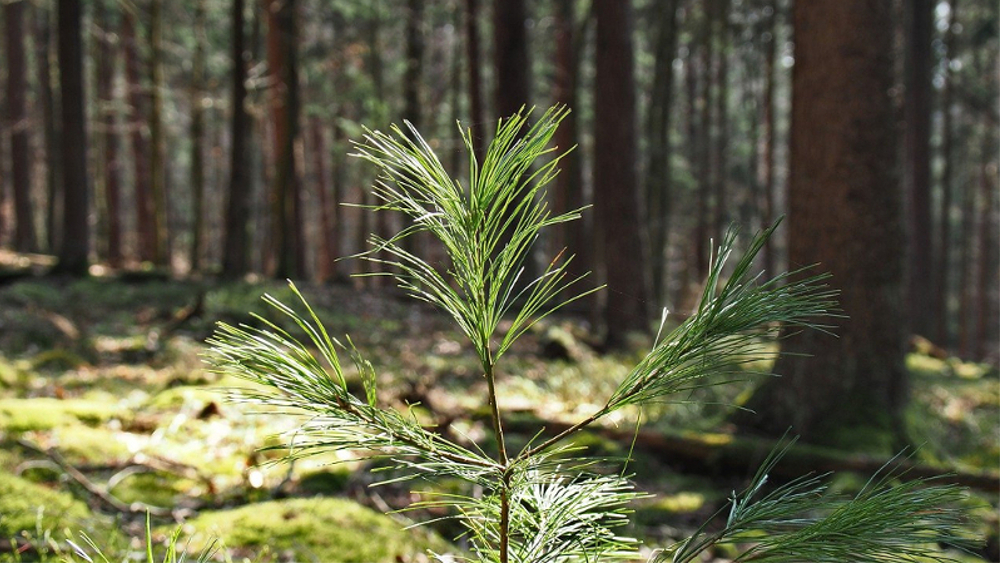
pixel 545 502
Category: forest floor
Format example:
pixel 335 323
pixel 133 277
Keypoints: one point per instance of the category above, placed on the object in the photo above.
pixel 107 410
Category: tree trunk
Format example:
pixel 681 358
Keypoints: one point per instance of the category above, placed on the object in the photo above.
pixel 286 225
pixel 47 103
pixel 73 251
pixel 658 176
pixel 510 57
pixel 236 252
pixel 328 235
pixel 985 313
pixel 568 192
pixel 845 214
pixel 414 62
pixel 106 102
pixel 704 171
pixel 768 141
pixel 942 271
pixel 140 141
pixel 916 176
pixel 198 137
pixel 157 160
pixel 17 124
pixel 615 183
pixel 476 112
pixel 720 160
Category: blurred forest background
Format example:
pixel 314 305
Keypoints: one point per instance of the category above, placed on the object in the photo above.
pixel 188 152
pixel 214 134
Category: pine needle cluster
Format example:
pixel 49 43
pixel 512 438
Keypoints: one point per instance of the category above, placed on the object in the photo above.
pixel 546 503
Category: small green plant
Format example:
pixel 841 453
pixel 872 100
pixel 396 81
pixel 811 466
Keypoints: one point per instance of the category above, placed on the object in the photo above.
pixel 546 502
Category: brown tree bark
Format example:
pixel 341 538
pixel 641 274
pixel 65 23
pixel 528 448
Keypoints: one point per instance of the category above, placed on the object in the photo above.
pixel 845 214
pixel 720 148
pixel 138 133
pixel 109 125
pixel 47 105
pixel 157 139
pixel 17 124
pixel 235 235
pixel 659 170
pixel 476 111
pixel 568 193
pixel 414 62
pixel 703 172
pixel 768 136
pixel 615 182
pixel 328 229
pixel 286 217
pixel 198 137
pixel 73 251
pixel 987 253
pixel 916 172
pixel 510 57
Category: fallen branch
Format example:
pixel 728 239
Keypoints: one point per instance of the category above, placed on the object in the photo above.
pixel 92 488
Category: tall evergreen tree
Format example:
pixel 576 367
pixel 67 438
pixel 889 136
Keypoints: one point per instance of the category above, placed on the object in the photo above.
pixel 73 252
pixel 844 213
pixel 235 248
pixel 17 124
pixel 615 183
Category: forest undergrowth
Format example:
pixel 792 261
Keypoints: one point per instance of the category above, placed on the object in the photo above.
pixel 107 412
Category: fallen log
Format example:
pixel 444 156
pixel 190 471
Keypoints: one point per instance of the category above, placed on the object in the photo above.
pixel 740 455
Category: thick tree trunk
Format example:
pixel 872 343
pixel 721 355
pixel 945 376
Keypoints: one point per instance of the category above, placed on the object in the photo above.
pixel 17 124
pixel 917 175
pixel 198 138
pixel 158 150
pixel 235 253
pixel 74 249
pixel 985 313
pixel 109 125
pixel 658 175
pixel 138 133
pixel 615 182
pixel 510 57
pixel 845 214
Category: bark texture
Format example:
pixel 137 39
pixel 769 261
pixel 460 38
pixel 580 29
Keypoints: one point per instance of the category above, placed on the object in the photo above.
pixel 845 214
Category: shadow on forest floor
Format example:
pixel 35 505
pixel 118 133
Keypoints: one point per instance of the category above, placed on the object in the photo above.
pixel 106 410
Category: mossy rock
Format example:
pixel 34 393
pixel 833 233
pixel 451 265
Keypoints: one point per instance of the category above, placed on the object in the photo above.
pixel 330 530
pixel 26 507
pixel 57 360
pixel 23 415
pixel 85 444
pixel 666 508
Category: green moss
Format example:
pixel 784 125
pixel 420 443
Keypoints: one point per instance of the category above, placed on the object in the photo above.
pixel 154 488
pixel 328 481
pixel 57 360
pixel 22 415
pixel 665 508
pixel 925 366
pixel 84 444
pixel 28 507
pixel 317 529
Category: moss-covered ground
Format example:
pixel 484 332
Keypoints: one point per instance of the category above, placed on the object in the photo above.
pixel 108 375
